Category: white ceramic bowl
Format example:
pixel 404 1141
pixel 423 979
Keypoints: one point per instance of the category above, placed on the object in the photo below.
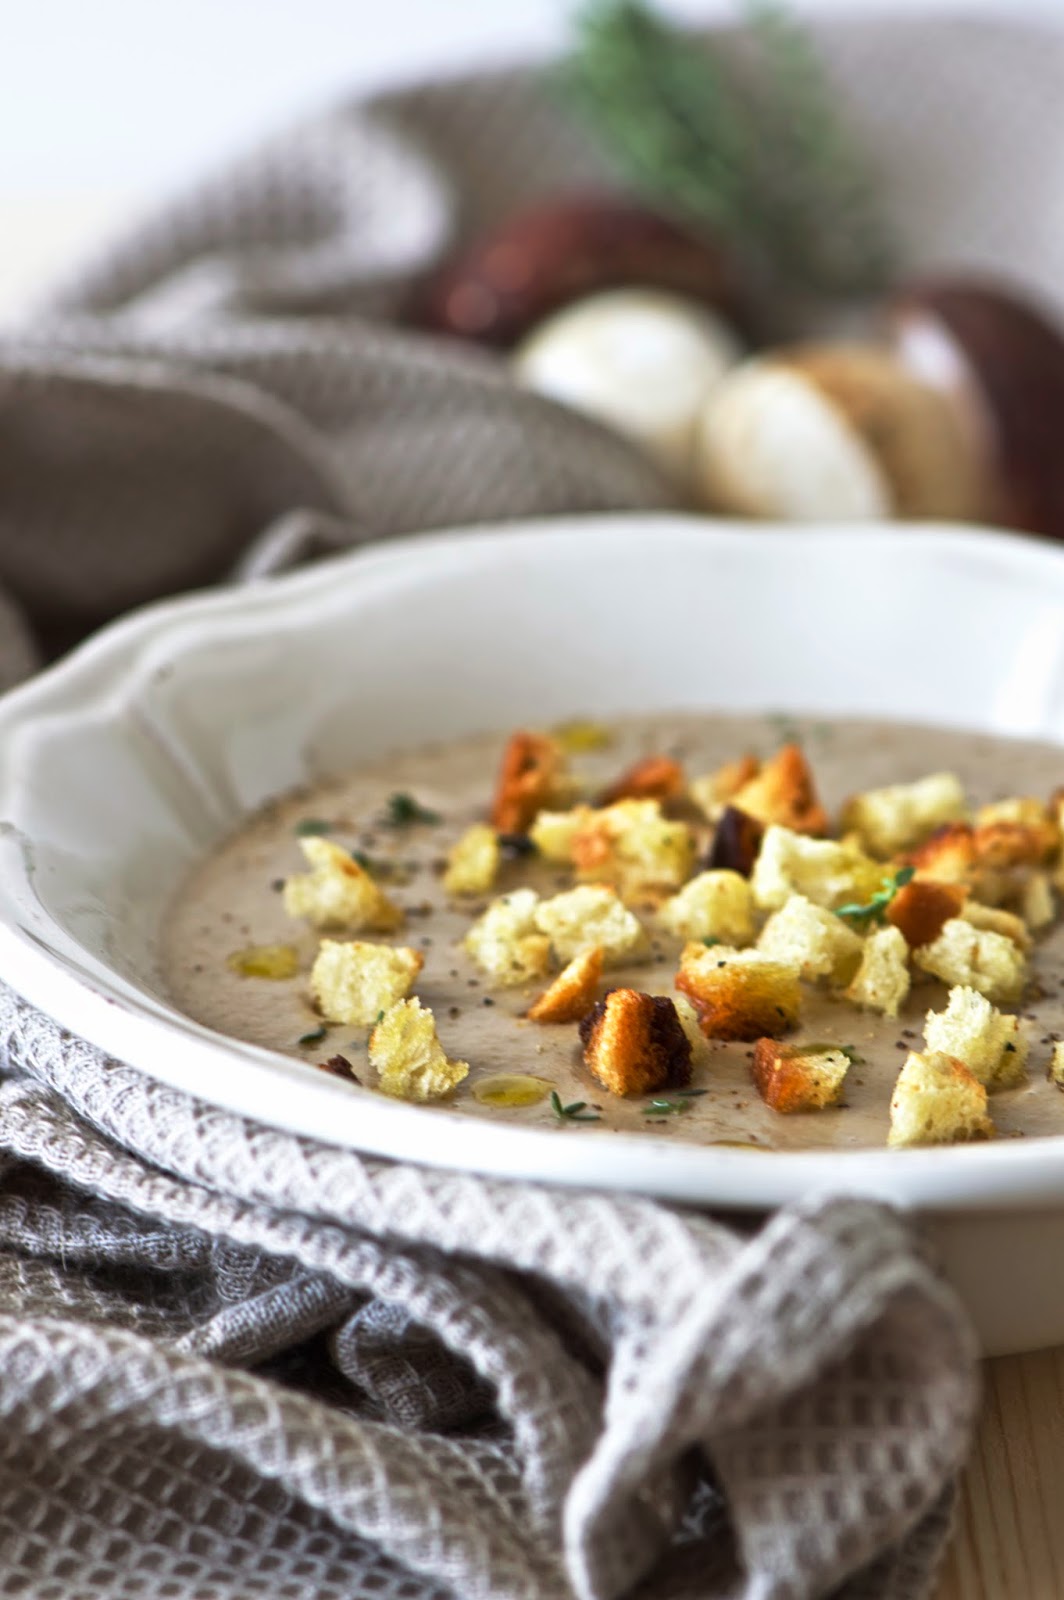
pixel 123 766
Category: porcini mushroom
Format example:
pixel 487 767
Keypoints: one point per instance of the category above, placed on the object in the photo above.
pixel 1000 361
pixel 640 360
pixel 559 250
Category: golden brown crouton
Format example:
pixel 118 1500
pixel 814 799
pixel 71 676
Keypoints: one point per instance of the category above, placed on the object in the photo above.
pixel 995 920
pixel 506 943
pixel 739 994
pixel 881 982
pixel 736 842
pixel 948 855
pixel 824 870
pixel 812 939
pixel 473 862
pixel 991 1044
pixel 579 919
pixel 353 982
pixel 714 905
pixel 977 957
pixel 410 1061
pixel 900 816
pixel 532 777
pixel 632 847
pixel 715 791
pixel 634 1043
pixel 1036 901
pixel 922 908
pixel 572 994
pixel 338 893
pixel 653 778
pixel 784 792
pixel 799 1077
pixel 936 1100
pixel 1037 822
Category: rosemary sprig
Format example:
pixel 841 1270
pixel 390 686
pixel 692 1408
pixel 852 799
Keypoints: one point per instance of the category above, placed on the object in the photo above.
pixel 758 151
pixel 576 1112
pixel 875 910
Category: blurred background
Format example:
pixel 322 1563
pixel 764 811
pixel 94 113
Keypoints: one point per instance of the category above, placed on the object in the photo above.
pixel 110 105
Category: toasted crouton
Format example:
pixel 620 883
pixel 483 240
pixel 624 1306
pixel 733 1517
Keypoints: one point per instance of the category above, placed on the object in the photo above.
pixel 1033 828
pixel 783 792
pixel 978 958
pixel 506 943
pixel 736 842
pixel 411 1063
pixel 902 815
pixel 947 855
pixel 799 1077
pixel 739 994
pixel 936 1100
pixel 473 863
pixel 1055 1074
pixel 815 941
pixel 922 908
pixel 354 982
pixel 553 833
pixel 882 980
pixel 995 920
pixel 634 1043
pixel 572 994
pixel 1037 905
pixel 634 848
pixel 689 1022
pixel 653 778
pixel 338 893
pixel 714 792
pixel 533 777
pixel 826 872
pixel 991 1044
pixel 715 905
pixel 581 918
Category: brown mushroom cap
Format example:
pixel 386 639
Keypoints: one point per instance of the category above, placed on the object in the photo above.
pixel 560 250
pixel 837 431
pixel 1001 360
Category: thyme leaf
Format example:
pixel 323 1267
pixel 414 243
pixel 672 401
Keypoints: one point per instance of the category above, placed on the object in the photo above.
pixel 875 910
pixel 576 1112
pixel 311 827
pixel 403 810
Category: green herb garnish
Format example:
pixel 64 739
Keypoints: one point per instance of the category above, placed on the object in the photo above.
pixel 711 941
pixel 876 908
pixel 315 1036
pixel 668 1108
pixel 757 148
pixel 403 811
pixel 310 827
pixel 576 1112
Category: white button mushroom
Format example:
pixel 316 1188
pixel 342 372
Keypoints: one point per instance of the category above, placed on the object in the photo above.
pixel 639 360
pixel 837 432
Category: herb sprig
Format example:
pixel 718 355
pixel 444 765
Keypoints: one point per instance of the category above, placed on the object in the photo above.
pixel 875 910
pixel 403 810
pixel 576 1112
pixel 756 149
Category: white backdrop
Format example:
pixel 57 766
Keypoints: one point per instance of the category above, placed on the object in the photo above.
pixel 106 104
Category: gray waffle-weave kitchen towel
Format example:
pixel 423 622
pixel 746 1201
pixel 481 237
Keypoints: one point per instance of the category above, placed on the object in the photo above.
pixel 236 1363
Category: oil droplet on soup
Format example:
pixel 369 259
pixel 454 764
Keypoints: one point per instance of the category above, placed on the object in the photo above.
pixel 511 1089
pixel 276 961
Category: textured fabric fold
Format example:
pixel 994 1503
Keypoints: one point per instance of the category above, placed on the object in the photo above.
pixel 237 1363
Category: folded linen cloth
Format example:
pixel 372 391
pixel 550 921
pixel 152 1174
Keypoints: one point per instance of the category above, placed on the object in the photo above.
pixel 237 1363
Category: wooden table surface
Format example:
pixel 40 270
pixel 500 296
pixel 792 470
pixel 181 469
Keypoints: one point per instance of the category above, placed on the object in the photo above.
pixel 1009 1543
